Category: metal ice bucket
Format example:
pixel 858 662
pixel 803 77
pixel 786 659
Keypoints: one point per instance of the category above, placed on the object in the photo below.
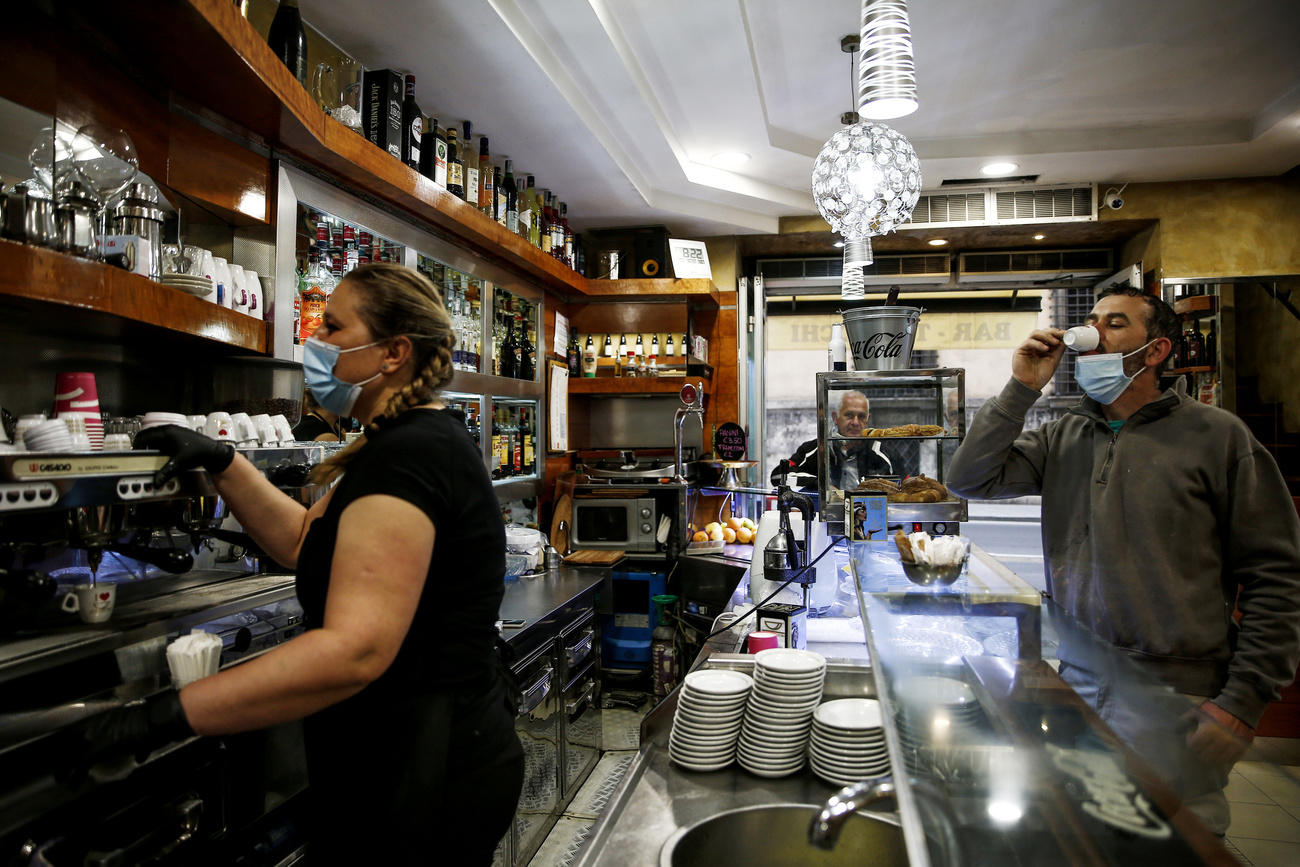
pixel 881 338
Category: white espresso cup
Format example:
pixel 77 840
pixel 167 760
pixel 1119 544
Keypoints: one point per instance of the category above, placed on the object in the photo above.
pixel 220 426
pixel 94 602
pixel 1081 338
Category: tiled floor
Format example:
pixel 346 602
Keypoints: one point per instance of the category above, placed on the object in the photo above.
pixel 1265 801
pixel 620 737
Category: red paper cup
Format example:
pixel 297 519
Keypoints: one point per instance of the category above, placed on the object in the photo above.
pixel 763 641
pixel 72 388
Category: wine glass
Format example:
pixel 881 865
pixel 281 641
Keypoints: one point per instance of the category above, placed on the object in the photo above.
pixel 50 158
pixel 107 162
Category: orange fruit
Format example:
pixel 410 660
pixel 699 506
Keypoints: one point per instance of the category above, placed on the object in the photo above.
pixel 735 523
pixel 728 534
pixel 700 536
pixel 716 534
pixel 745 536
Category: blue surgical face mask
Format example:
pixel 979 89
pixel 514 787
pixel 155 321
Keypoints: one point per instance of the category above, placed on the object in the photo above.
pixel 331 392
pixel 1102 377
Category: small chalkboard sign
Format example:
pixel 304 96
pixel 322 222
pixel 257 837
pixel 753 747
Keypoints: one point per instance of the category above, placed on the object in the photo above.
pixel 729 442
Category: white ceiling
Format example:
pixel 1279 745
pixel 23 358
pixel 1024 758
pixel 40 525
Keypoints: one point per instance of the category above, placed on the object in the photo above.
pixel 619 105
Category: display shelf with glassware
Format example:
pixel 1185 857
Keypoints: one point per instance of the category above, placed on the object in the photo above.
pixel 1204 311
pixel 915 422
pixel 100 300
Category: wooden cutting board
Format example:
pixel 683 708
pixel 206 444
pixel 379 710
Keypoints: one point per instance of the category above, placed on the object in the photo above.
pixel 587 557
pixel 563 512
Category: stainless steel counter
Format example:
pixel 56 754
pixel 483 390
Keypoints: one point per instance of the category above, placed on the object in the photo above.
pixel 539 601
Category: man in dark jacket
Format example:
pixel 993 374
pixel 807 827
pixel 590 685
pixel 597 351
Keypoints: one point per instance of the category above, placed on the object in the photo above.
pixel 1155 508
pixel 849 462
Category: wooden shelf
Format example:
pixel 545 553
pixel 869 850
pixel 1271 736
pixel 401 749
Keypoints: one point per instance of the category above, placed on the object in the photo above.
pixel 109 301
pixel 697 292
pixel 496 386
pixel 1196 305
pixel 621 385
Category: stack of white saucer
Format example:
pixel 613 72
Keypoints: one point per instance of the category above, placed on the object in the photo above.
pixel 932 712
pixel 48 436
pixel 707 721
pixel 787 688
pixel 848 743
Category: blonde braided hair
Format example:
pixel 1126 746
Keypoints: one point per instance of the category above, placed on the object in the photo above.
pixel 398 301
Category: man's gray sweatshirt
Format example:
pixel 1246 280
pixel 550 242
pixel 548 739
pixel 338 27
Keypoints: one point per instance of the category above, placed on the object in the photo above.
pixel 1149 530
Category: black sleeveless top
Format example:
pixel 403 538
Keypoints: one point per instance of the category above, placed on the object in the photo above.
pixel 427 458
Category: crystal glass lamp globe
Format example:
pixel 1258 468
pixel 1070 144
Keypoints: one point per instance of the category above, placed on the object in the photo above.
pixel 866 181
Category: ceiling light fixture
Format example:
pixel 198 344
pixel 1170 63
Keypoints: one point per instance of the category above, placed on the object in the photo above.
pixel 838 244
pixel 1040 236
pixel 867 178
pixel 938 242
pixel 998 168
pixel 729 159
pixel 887 75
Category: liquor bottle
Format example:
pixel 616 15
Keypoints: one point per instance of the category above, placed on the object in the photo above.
pixel 522 371
pixel 557 244
pixel 471 166
pixel 527 354
pixel 669 349
pixel 539 208
pixel 412 126
pixel 622 345
pixel 527 215
pixel 654 344
pixel 589 359
pixel 836 352
pixel 1195 346
pixel 455 166
pixel 510 350
pixel 428 148
pixel 288 39
pixel 568 235
pixel 530 444
pixel 486 188
pixel 547 227
pixel 498 432
pixel 498 196
pixel 640 346
pixel 1212 346
pixel 439 153
pixel 609 347
pixel 517 445
pixel 512 198
pixel 574 357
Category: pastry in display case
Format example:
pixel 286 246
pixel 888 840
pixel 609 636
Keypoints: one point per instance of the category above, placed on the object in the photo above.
pixel 891 432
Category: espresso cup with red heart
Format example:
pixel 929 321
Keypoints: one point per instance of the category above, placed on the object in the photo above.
pixel 94 602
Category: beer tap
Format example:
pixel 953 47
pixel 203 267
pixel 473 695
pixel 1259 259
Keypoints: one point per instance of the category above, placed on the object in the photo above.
pixel 693 404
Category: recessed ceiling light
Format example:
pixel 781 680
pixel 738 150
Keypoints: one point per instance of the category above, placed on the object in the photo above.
pixel 937 242
pixel 838 244
pixel 1040 236
pixel 729 159
pixel 998 168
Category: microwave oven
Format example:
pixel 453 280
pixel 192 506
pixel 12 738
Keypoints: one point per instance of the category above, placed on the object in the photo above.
pixel 618 524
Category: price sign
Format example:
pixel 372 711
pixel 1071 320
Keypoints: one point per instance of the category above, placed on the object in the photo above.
pixel 690 259
pixel 729 442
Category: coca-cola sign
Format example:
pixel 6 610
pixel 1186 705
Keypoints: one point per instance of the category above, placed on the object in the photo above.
pixel 882 344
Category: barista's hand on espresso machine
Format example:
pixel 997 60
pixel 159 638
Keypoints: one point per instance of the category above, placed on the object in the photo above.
pixel 187 450
pixel 138 728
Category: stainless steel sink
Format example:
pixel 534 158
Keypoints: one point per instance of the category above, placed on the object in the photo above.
pixel 776 835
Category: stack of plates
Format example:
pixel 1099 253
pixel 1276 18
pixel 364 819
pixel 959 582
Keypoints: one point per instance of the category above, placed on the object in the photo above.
pixel 200 286
pixel 707 721
pixel 847 742
pixel 787 689
pixel 932 710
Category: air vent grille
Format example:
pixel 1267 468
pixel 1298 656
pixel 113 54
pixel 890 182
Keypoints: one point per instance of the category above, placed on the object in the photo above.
pixel 1049 204
pixel 948 208
pixel 917 265
pixel 1035 261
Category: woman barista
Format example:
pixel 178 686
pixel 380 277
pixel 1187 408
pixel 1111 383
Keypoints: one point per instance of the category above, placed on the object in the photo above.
pixel 410 745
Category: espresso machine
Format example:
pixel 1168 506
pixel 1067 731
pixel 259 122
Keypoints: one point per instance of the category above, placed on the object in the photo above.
pixel 177 561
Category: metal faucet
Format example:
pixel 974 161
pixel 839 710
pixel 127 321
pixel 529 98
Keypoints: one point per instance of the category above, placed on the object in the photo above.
pixel 694 407
pixel 824 831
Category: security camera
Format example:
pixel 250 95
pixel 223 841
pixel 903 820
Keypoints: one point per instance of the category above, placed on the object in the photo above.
pixel 1113 199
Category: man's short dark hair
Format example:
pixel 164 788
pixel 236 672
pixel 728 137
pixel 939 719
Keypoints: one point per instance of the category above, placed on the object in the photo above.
pixel 1161 320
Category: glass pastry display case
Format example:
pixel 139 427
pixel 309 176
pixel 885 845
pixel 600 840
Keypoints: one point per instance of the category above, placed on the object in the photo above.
pixel 1018 737
pixel 891 432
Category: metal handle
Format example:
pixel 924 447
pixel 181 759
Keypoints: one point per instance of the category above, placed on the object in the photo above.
pixel 584 697
pixel 580 649
pixel 536 694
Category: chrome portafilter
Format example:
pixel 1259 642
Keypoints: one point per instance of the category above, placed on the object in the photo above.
pixel 94 528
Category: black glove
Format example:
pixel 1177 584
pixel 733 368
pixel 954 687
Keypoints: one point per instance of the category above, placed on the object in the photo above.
pixel 187 450
pixel 137 729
